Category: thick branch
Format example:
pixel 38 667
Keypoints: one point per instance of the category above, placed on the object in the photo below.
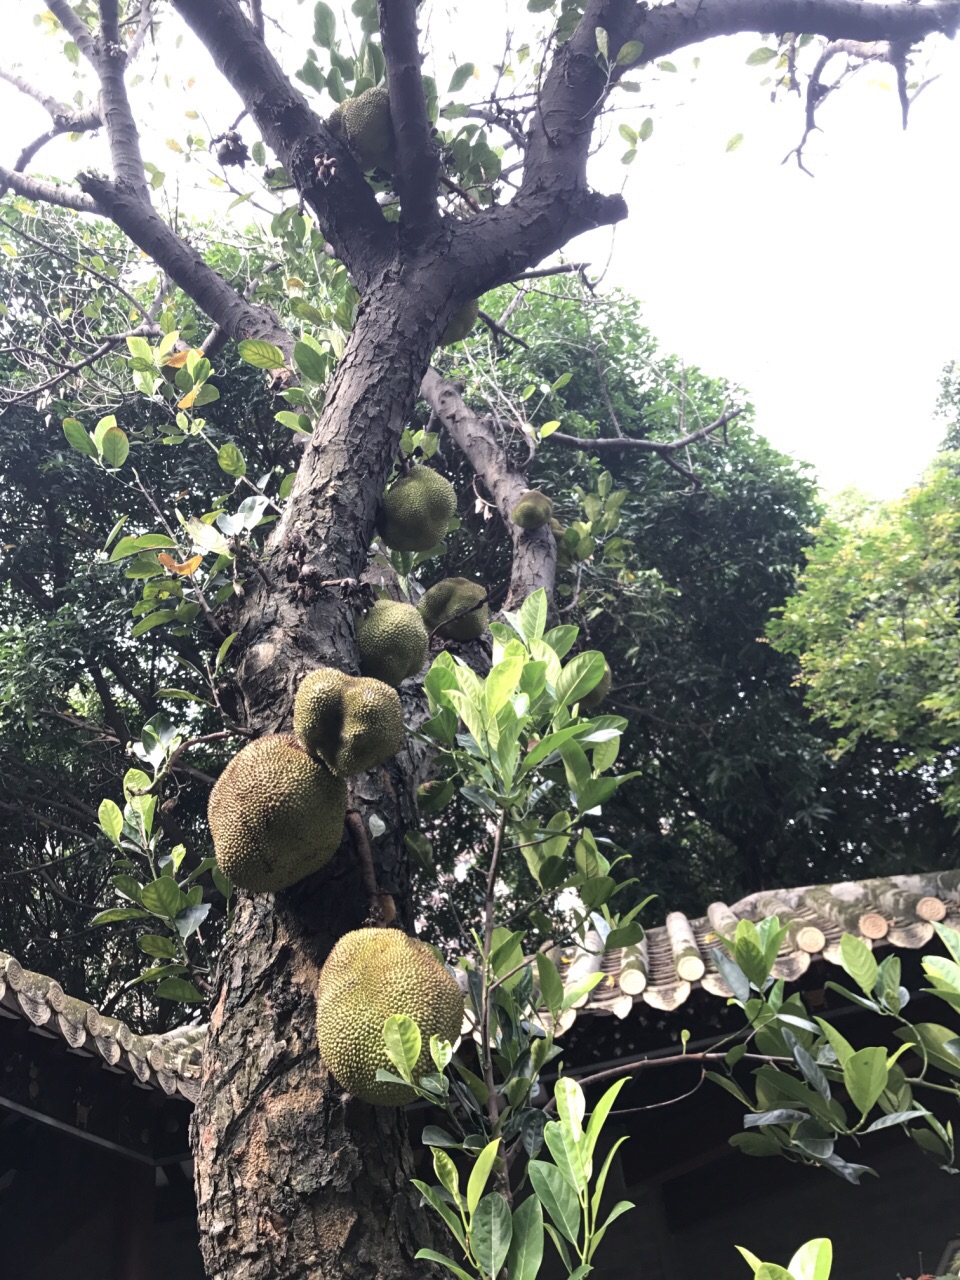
pixel 221 302
pixel 534 550
pixel 122 133
pixel 418 163
pixel 46 192
pixel 346 208
pixel 663 29
pixel 74 28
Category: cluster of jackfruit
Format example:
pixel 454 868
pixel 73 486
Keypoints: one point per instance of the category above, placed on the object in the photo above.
pixel 370 976
pixel 352 723
pixel 532 509
pixel 276 815
pixel 392 641
pixel 461 324
pixel 455 608
pixel 416 510
pixel 365 124
pixel 276 812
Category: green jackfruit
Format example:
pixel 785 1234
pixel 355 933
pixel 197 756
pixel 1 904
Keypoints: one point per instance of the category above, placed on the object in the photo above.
pixel 275 815
pixel 461 324
pixel 393 642
pixel 416 510
pixel 369 976
pixel 367 125
pixel 532 510
pixel 350 722
pixel 447 598
pixel 599 691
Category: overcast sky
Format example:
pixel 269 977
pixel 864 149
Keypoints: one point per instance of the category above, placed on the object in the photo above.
pixel 831 299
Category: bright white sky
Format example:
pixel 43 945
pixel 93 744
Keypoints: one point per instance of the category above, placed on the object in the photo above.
pixel 832 299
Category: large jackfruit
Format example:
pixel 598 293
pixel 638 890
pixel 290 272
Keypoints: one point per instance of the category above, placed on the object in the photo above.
pixel 532 509
pixel 276 815
pixel 599 691
pixel 392 641
pixel 369 976
pixel 445 599
pixel 366 124
pixel 350 722
pixel 461 323
pixel 416 510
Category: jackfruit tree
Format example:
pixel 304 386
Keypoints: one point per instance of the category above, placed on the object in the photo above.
pixel 405 232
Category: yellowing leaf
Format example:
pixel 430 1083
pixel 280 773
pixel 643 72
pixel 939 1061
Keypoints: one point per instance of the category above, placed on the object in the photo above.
pixel 184 570
pixel 188 399
pixel 174 145
pixel 180 358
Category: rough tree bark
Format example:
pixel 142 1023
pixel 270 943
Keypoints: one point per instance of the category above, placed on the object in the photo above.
pixel 293 1180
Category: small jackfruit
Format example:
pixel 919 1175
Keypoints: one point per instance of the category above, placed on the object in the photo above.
pixel 350 722
pixel 276 815
pixel 392 641
pixel 532 509
pixel 369 976
pixel 447 598
pixel 416 510
pixel 599 691
pixel 367 125
pixel 461 323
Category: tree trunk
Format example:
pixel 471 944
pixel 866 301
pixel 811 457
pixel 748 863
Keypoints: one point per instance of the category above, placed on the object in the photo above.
pixel 292 1179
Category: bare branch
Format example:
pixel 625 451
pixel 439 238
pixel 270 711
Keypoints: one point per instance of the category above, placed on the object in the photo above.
pixel 664 29
pixel 535 550
pixel 47 192
pixel 146 22
pixel 626 444
pixel 418 163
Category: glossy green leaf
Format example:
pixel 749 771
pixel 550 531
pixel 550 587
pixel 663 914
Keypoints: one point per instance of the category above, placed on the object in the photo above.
pixel 858 962
pixel 865 1077
pixel 480 1174
pixel 491 1229
pixel 110 819
pixel 525 1256
pixel 401 1035
pixel 557 1196
pixel 262 355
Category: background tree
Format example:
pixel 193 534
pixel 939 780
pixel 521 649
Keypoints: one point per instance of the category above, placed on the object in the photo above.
pixel 414 257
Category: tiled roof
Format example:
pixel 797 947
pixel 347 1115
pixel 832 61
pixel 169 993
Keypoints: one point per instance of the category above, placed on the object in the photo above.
pixel 674 960
pixel 170 1062
pixel 661 971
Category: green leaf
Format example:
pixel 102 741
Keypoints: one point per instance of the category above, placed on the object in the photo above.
pixel 430 1255
pixel 309 362
pixel 460 77
pixel 734 142
pixel 865 1077
pixel 111 820
pixel 155 944
pixel 480 1173
pixel 812 1261
pixel 179 989
pixel 533 615
pixel 162 897
pixel 579 676
pixel 401 1035
pixel 294 421
pixel 772 1271
pixel 130 546
pixel 206 537
pixel 154 620
pixel 231 460
pixel 224 650
pixel 603 43
pixel 114 447
pixel 324 25
pixel 761 56
pixel 446 1172
pixel 525 1256
pixel 551 984
pixel 858 962
pixel 841 1046
pixel 751 1258
pixel 501 684
pixel 630 53
pixel 567 1155
pixel 262 355
pixel 598 1117
pixel 491 1229
pixel 557 1197
pixel 114 914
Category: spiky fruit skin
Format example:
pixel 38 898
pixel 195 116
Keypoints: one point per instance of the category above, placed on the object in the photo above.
pixel 393 642
pixel 275 814
pixel 351 723
pixel 532 510
pixel 367 125
pixel 416 510
pixel 461 324
pixel 448 597
pixel 599 691
pixel 369 976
